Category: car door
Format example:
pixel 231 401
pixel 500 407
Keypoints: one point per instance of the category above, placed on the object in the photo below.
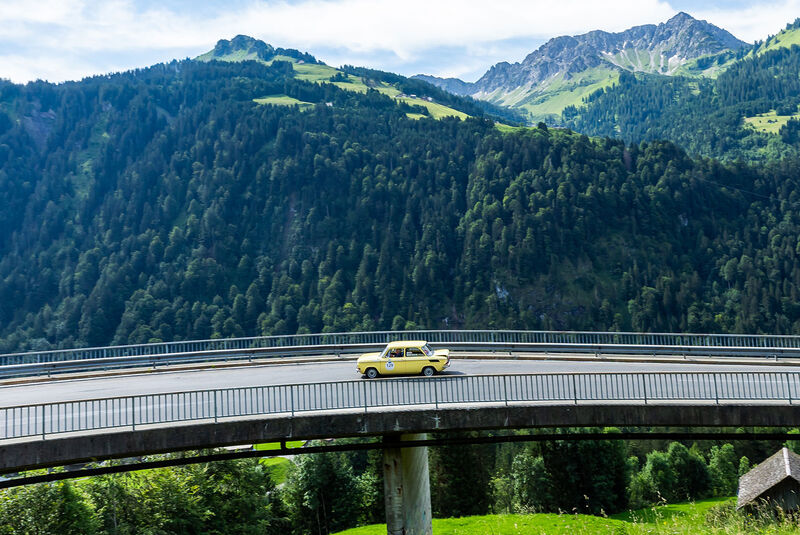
pixel 392 363
pixel 415 360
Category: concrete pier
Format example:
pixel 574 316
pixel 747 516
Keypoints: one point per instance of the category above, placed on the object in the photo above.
pixel 406 486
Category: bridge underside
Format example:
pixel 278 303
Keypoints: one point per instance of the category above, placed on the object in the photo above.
pixel 30 453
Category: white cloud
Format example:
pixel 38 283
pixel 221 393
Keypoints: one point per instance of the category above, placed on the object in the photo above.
pixel 44 11
pixel 411 25
pixel 754 22
pixel 64 39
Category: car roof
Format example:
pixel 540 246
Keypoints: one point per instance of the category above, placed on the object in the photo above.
pixel 406 343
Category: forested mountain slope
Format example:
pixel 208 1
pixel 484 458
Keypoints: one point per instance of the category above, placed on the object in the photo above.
pixel 166 203
pixel 750 111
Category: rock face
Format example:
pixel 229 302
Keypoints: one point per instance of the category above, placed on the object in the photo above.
pixel 244 47
pixel 651 48
pixel 451 85
pixel 245 44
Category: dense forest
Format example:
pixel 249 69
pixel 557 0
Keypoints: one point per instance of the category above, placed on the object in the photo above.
pixel 165 204
pixel 704 116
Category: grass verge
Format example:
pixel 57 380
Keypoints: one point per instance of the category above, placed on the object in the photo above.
pixel 714 516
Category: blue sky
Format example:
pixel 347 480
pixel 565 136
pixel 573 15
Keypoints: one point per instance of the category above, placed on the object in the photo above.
pixel 61 40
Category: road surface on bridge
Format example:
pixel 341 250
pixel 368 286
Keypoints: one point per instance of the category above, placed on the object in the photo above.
pixel 163 381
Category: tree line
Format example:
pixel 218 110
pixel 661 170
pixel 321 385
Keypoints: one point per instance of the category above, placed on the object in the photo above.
pixel 334 491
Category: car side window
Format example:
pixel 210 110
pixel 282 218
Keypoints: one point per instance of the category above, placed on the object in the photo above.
pixel 414 352
pixel 396 353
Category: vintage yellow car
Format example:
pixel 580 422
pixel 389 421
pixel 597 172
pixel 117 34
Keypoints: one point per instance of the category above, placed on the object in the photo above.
pixel 407 357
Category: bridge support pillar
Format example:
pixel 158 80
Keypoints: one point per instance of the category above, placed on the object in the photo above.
pixel 406 486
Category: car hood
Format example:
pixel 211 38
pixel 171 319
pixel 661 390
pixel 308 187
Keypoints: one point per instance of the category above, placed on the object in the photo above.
pixel 369 357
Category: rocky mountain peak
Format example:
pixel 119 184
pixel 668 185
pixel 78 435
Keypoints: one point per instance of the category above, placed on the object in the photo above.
pixel 244 45
pixel 581 61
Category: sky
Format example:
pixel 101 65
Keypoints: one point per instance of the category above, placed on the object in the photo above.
pixel 60 40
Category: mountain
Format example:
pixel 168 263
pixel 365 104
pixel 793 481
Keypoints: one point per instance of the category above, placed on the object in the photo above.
pixel 451 85
pixel 565 69
pixel 426 98
pixel 786 38
pixel 244 47
pixel 750 110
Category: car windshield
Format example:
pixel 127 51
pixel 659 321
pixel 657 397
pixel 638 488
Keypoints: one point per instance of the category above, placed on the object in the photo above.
pixel 427 350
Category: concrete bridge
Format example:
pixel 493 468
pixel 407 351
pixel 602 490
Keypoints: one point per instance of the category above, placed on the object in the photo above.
pixel 56 423
pixel 398 410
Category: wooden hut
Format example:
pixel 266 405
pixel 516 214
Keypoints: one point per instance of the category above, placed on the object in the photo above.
pixel 776 481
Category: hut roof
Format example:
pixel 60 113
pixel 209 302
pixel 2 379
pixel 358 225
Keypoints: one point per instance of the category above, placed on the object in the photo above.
pixel 782 465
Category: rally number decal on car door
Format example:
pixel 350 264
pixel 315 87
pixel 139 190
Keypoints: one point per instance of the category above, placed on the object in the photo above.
pixel 390 365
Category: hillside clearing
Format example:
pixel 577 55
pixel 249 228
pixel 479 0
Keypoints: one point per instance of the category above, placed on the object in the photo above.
pixel 567 92
pixel 437 111
pixel 283 100
pixel 769 123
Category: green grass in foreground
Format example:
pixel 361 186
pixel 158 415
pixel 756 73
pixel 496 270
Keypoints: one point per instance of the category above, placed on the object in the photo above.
pixel 550 524
pixel 714 516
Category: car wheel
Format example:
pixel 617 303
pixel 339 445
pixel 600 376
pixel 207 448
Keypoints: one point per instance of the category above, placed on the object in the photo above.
pixel 428 371
pixel 372 373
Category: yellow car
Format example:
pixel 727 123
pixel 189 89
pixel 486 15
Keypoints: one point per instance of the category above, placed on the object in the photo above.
pixel 407 357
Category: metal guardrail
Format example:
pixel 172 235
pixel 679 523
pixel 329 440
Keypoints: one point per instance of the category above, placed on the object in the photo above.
pixel 599 343
pixel 211 405
pixel 435 337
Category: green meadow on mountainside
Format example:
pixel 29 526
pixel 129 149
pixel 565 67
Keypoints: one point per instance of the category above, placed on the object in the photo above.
pixel 307 69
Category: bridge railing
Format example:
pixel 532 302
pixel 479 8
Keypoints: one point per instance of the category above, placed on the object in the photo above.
pixel 212 405
pixel 46 362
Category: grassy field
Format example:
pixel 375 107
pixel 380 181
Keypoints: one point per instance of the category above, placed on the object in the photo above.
pixel 508 128
pixel 511 524
pixel 437 111
pixel 317 73
pixel 283 100
pixel 715 516
pixel 278 467
pixel 238 55
pixel 769 123
pixel 784 39
pixel 313 73
pixel 546 103
pixel 277 445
